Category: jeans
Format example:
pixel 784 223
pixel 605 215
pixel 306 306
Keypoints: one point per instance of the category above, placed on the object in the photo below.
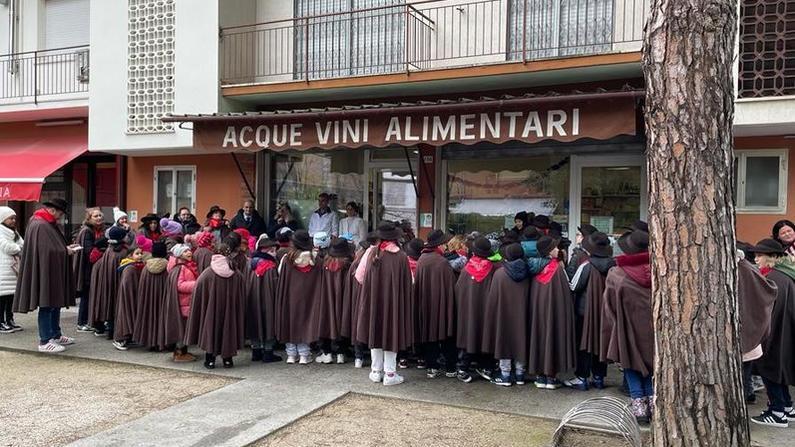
pixel 777 395
pixel 587 364
pixel 49 324
pixel 505 367
pixel 748 384
pixel 267 345
pixel 638 385
pixel 432 350
pixel 385 361
pixel 301 349
pixel 82 309
pixel 6 314
pixel 359 350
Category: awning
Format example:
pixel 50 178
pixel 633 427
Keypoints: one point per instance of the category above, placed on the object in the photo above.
pixel 26 160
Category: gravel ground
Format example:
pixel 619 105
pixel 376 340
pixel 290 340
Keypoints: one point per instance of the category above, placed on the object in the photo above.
pixel 363 420
pixel 52 400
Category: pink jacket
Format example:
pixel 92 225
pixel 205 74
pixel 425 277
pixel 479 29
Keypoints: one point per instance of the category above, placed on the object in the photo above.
pixel 186 282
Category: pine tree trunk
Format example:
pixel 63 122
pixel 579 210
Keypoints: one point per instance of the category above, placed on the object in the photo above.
pixel 688 68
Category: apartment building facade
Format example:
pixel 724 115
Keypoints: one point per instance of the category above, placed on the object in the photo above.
pixel 453 114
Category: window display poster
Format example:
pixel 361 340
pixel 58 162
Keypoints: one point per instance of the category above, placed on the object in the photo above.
pixel 603 223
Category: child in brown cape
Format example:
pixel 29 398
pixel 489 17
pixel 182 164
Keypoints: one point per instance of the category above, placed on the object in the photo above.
pixel 329 309
pixel 104 282
pixel 152 288
pixel 126 301
pixel 261 301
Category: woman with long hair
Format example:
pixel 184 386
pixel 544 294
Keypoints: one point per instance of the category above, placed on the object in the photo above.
pixel 90 232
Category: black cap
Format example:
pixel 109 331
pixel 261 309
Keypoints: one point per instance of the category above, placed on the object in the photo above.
pixel 513 252
pixel 58 203
pixel 481 247
pixel 117 234
pixel 546 244
pixel 414 247
pixel 159 250
pixel 598 244
pixel 301 240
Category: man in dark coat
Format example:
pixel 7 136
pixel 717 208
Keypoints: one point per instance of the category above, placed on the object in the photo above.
pixel 45 275
pixel 434 291
pixel 250 219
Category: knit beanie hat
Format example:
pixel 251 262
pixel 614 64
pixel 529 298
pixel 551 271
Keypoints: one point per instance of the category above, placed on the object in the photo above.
pixel 118 214
pixel 321 239
pixel 170 228
pixel 5 213
pixel 144 243
pixel 179 250
pixel 116 235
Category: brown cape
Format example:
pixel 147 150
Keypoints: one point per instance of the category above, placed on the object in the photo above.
pixel 104 282
pixel 552 340
pixel 778 359
pixel 216 316
pixel 261 300
pixel 152 288
pixel 240 262
pixel 383 316
pixel 434 287
pixel 329 308
pixel 202 256
pixel 296 294
pixel 81 267
pixel 171 327
pixel 592 320
pixel 505 323
pixel 45 274
pixel 470 302
pixel 756 297
pixel 627 325
pixel 351 301
pixel 126 303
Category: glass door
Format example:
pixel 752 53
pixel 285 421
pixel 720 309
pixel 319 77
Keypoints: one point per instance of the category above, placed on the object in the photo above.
pixel 608 192
pixel 393 196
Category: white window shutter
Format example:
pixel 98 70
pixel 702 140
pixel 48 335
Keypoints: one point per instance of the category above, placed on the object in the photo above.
pixel 65 23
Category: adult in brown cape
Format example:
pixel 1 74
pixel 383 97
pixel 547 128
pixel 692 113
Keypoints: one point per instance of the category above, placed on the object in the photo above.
pixel 127 298
pixel 104 283
pixel 434 291
pixel 471 294
pixel 90 232
pixel 261 301
pixel 297 292
pixel 45 275
pixel 152 290
pixel 777 364
pixel 216 322
pixel 627 329
pixel 552 343
pixel 588 287
pixel 506 322
pixel 328 312
pixel 384 321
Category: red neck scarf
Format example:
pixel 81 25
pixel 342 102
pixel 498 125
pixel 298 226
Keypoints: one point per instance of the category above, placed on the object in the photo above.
pixel 479 268
pixel 335 264
pixel 190 265
pixel 549 271
pixel 215 223
pixel 636 267
pixel 438 249
pixel 412 265
pixel 45 216
pixel 765 270
pixel 263 266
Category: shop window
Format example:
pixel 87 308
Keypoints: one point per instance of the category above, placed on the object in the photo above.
pixel 299 178
pixel 484 195
pixel 761 181
pixel 175 187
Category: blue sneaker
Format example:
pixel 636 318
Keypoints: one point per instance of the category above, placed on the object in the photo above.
pixel 577 383
pixel 520 379
pixel 598 383
pixel 502 380
pixel 552 383
pixel 541 382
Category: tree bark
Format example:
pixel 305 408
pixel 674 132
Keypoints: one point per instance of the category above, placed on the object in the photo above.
pixel 688 67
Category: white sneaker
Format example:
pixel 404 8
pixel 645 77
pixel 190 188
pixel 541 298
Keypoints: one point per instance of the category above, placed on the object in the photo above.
pixel 51 347
pixel 291 359
pixel 304 360
pixel 376 376
pixel 64 340
pixel 120 345
pixel 323 358
pixel 340 359
pixel 394 379
pixel 358 363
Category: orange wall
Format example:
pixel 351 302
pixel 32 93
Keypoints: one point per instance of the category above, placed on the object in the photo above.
pixel 754 227
pixel 218 181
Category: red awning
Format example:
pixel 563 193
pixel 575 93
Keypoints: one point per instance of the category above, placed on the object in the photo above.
pixel 26 160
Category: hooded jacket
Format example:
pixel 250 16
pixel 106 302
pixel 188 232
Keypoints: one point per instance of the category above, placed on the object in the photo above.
pixel 11 244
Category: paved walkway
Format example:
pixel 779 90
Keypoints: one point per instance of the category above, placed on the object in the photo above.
pixel 273 395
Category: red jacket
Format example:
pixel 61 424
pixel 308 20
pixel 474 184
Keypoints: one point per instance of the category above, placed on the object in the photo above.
pixel 186 282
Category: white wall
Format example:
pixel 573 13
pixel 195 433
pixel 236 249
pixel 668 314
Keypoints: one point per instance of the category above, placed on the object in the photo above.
pixel 764 116
pixel 4 30
pixel 195 75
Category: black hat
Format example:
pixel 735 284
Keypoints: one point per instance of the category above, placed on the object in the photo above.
pixel 233 240
pixel 747 249
pixel 117 234
pixel 414 247
pixel 372 238
pixel 521 215
pixel 598 244
pixel 555 229
pixel 339 248
pixel 387 231
pixel 633 242
pixel 216 209
pixel 159 250
pixel 546 244
pixel 301 240
pixel 587 230
pixel 563 243
pixel 768 247
pixel 531 233
pixel 264 243
pixel 513 252
pixel 541 221
pixel 481 247
pixel 58 203
pixel 437 238
pixel 638 225
pixel 149 218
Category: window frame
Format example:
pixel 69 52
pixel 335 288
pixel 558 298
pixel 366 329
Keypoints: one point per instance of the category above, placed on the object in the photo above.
pixel 174 169
pixel 741 157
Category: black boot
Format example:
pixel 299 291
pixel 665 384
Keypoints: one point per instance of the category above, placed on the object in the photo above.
pixel 270 357
pixel 228 362
pixel 256 354
pixel 209 361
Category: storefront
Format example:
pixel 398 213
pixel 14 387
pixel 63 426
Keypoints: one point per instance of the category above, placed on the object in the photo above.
pixel 463 165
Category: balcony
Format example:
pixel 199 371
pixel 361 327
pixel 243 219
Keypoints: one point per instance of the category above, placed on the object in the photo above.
pixel 427 35
pixel 44 76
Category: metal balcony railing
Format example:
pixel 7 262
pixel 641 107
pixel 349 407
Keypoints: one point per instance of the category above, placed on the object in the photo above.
pixel 425 35
pixel 45 74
